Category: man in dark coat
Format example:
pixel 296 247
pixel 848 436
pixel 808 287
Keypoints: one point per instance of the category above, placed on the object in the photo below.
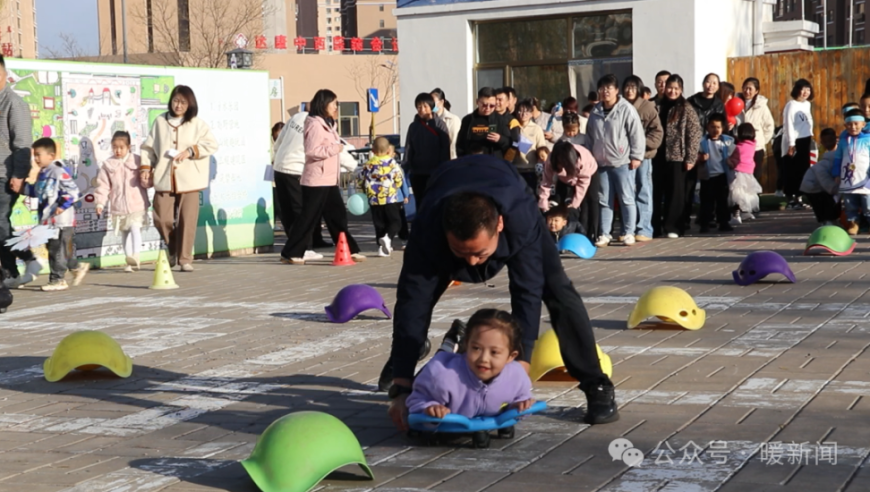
pixel 484 131
pixel 480 217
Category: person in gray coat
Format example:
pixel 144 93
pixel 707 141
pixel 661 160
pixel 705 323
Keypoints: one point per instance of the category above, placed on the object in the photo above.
pixel 16 137
pixel 616 138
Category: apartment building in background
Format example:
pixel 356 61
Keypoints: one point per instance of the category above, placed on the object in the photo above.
pixel 836 19
pixel 18 36
pixel 311 44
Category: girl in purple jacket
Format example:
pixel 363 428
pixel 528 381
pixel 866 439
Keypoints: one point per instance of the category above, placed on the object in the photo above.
pixel 483 379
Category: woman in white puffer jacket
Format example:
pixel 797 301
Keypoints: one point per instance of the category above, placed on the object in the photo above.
pixel 758 114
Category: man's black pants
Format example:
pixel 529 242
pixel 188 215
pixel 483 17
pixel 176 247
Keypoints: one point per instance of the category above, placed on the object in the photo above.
pixel 7 256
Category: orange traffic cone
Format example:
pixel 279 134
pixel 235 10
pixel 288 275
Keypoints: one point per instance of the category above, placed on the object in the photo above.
pixel 342 252
pixel 455 283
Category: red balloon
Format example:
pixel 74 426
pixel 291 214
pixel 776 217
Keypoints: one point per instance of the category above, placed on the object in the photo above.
pixel 734 106
pixel 732 119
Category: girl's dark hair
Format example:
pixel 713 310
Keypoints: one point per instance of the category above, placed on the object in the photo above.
pixel 588 108
pixel 278 126
pixel 570 118
pixel 799 86
pixel 726 90
pixel 526 104
pixel 499 320
pixel 564 156
pixel 120 134
pixel 756 83
pixel 745 132
pixel 853 112
pixel 192 107
pixel 319 103
pixel 570 104
pixel 438 92
pixel 680 102
pixel 635 81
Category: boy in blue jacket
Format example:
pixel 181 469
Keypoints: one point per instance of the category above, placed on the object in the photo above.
pixel 57 193
pixel 851 167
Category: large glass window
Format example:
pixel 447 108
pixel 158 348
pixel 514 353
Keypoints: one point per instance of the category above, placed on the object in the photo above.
pixel 553 57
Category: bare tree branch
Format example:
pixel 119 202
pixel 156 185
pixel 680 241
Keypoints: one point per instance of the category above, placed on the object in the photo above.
pixel 213 24
pixel 375 71
pixel 69 47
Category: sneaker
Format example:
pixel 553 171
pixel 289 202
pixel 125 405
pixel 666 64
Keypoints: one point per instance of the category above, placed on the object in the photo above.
pixel 56 285
pixel 601 405
pixel 79 273
pixel 312 255
pixel 673 235
pixel 603 240
pixel 12 282
pixel 293 261
pixel 128 269
pixel 187 267
pixel 454 336
pixel 628 240
pixel 725 228
pixel 852 227
pixel 736 220
pixel 358 257
pixel 747 216
pixel 33 267
pixel 384 246
pixel 642 239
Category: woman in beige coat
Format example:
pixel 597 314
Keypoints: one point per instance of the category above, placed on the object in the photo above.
pixel 177 151
pixel 758 113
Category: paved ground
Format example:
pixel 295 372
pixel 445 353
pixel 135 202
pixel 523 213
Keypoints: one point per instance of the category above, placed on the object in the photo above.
pixel 772 394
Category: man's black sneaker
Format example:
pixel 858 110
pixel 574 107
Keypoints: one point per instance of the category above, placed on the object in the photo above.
pixel 601 405
pixel 456 333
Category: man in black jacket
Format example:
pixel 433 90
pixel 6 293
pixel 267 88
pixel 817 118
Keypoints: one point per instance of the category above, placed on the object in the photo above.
pixel 426 146
pixel 479 218
pixel 483 131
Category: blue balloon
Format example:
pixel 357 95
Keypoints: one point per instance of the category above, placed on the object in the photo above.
pixel 454 423
pixel 578 244
pixel 358 204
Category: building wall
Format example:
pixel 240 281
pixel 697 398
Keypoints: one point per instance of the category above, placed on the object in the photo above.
pixel 375 18
pixel 838 19
pixel 689 37
pixel 18 26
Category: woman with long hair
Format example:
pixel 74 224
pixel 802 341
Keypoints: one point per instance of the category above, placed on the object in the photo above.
pixel 674 159
pixel 321 195
pixel 178 151
pixel 797 138
pixel 756 112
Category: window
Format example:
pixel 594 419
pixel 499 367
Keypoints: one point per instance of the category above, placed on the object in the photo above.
pixel 348 119
pixel 150 26
pixel 381 23
pixel 114 33
pixel 551 58
pixel 830 16
pixel 329 20
pixel 183 25
pixel 381 8
pixel 859 37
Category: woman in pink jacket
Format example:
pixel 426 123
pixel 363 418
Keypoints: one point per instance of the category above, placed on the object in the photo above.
pixel 321 195
pixel 573 165
pixel 121 185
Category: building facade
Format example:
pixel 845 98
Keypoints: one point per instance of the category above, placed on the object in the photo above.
pixel 343 45
pixel 837 19
pixel 18 29
pixel 552 50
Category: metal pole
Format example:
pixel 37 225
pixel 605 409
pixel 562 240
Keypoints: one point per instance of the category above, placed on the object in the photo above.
pixel 825 22
pixel 395 112
pixel 124 26
pixel 281 78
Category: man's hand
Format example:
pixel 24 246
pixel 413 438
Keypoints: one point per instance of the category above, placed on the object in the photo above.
pixel 522 406
pixel 634 164
pixel 398 412
pixel 703 157
pixel 689 166
pixel 493 137
pixel 16 184
pixel 791 151
pixel 437 411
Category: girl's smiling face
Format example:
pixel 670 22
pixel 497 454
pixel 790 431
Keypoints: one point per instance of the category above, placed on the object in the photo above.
pixel 488 352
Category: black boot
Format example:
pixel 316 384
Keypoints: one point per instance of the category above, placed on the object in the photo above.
pixel 601 404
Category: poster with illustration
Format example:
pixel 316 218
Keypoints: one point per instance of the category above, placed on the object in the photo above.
pixel 82 105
